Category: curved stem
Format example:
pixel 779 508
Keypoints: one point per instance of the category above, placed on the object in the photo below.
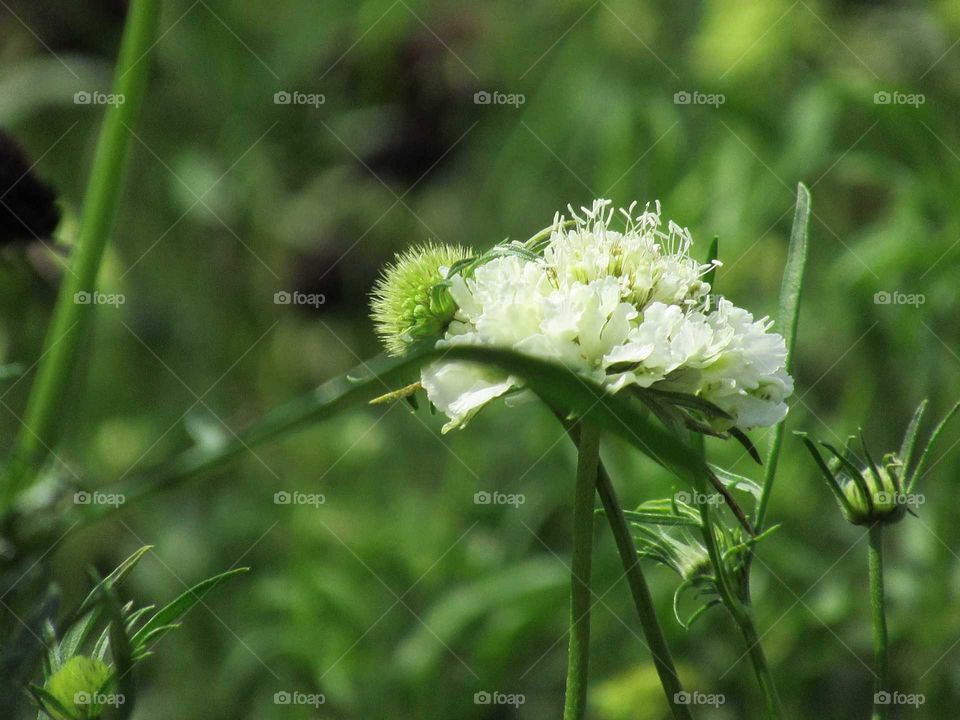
pixel 74 308
pixel 878 608
pixel 642 600
pixel 578 657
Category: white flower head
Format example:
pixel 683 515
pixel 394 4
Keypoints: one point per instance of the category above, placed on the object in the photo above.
pixel 626 307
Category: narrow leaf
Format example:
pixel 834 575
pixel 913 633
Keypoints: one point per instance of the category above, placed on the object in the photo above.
pixel 854 472
pixel 86 615
pixel 166 618
pixel 910 438
pixel 741 437
pixel 828 476
pixel 737 482
pixel 791 290
pixel 121 652
pixel 924 457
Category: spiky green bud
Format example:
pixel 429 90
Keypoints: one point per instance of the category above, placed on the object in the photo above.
pixel 879 498
pixel 77 686
pixel 410 301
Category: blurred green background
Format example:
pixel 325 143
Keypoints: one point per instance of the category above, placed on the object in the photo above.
pixel 399 596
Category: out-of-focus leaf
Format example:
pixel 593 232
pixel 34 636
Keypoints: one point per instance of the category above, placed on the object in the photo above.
pixel 88 612
pixel 562 389
pixel 165 619
pixel 910 438
pixel 924 456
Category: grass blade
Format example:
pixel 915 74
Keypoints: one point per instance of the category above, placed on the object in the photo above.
pixel 66 330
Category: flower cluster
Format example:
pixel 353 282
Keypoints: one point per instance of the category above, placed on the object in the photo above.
pixel 628 309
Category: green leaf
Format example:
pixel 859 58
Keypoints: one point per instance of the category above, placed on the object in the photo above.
pixel 135 616
pixel 165 619
pixel 791 287
pixel 121 652
pixel 828 476
pixel 733 481
pixel 924 456
pixel 560 388
pixel 47 702
pixel 910 438
pixel 874 470
pixel 855 475
pixel 86 615
pixel 791 290
pixel 657 518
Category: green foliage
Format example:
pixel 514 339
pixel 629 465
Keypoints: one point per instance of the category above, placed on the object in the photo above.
pixel 78 686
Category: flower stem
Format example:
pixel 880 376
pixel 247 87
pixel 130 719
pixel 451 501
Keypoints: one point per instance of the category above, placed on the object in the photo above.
pixel 66 331
pixel 760 667
pixel 878 608
pixel 742 613
pixel 575 701
pixel 657 643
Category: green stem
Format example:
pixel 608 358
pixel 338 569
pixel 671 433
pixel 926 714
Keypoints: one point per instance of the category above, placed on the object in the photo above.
pixel 742 613
pixel 578 657
pixel 67 329
pixel 878 608
pixel 760 667
pixel 642 600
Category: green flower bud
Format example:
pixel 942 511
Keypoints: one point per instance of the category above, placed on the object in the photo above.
pixel 879 498
pixel 77 685
pixel 410 301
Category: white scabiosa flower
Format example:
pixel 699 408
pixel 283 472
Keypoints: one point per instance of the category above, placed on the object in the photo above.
pixel 626 308
pixel 514 303
pixel 748 378
pixel 650 263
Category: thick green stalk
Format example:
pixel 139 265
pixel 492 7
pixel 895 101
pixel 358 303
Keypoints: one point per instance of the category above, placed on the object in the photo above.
pixel 878 609
pixel 642 600
pixel 67 329
pixel 578 658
